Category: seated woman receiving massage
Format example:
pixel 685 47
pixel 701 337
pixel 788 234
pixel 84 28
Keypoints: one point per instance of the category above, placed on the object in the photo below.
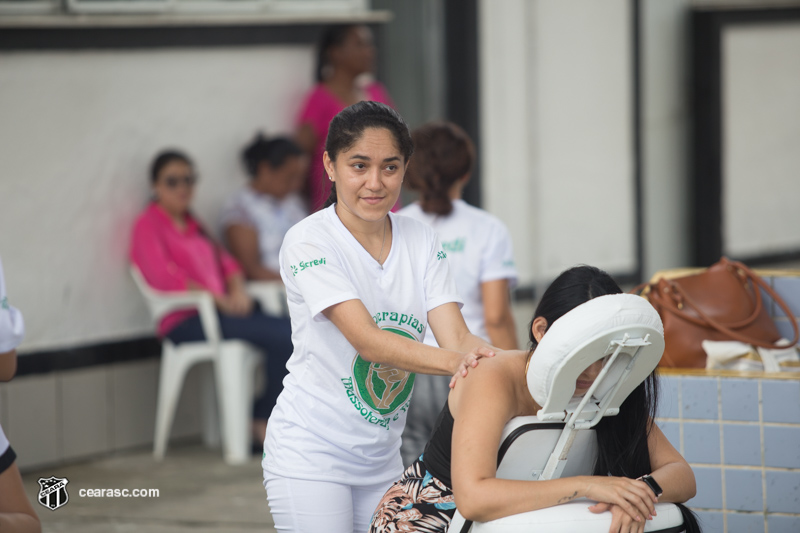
pixel 459 463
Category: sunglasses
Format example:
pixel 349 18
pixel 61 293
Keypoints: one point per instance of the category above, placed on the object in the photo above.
pixel 173 182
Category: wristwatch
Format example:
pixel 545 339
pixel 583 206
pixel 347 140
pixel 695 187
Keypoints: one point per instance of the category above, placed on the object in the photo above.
pixel 654 486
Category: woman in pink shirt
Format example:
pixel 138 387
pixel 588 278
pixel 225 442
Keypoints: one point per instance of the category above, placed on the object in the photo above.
pixel 345 54
pixel 174 253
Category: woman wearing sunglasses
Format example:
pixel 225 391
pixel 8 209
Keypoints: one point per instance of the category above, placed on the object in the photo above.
pixel 174 253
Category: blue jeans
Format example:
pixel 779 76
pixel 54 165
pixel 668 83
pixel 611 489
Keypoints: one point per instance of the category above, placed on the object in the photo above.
pixel 271 334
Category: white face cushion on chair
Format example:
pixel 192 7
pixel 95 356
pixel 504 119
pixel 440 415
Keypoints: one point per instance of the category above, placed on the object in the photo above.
pixel 586 334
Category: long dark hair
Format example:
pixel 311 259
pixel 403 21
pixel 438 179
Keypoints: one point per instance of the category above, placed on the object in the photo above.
pixel 348 126
pixel 273 151
pixel 444 155
pixel 332 37
pixel 622 439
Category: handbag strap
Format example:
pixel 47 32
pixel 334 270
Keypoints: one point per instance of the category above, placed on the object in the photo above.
pixel 669 286
pixel 756 280
pixel 774 295
pixel 746 276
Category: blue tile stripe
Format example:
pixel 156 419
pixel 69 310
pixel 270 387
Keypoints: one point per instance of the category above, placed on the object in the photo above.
pixel 750 475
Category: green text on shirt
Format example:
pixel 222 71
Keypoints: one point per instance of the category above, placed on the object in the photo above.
pixel 306 264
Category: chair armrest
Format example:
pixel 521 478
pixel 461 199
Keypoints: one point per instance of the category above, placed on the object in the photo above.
pixel 271 295
pixel 202 301
pixel 161 303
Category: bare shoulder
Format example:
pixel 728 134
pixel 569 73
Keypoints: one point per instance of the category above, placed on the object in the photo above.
pixel 494 377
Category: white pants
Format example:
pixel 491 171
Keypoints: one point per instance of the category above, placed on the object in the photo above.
pixel 301 506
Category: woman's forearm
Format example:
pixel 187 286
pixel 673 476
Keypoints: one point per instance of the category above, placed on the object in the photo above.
pixel 470 342
pixel 376 345
pixel 497 314
pixel 380 346
pixel 242 240
pixel 504 336
pixel 669 468
pixel 677 481
pixel 494 498
pixel 451 331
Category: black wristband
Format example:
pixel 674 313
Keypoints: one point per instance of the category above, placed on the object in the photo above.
pixel 654 486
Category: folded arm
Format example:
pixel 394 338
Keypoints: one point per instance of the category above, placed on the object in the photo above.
pixel 670 469
pixel 477 431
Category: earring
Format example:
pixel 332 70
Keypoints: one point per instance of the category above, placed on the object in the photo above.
pixel 330 178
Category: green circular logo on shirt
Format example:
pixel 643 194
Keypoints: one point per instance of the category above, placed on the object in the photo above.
pixel 382 387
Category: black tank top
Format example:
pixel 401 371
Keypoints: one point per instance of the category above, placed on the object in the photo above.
pixel 436 456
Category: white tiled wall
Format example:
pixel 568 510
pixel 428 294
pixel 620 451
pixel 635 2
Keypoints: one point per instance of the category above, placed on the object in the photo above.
pixel 76 414
pixel 85 412
pixel 134 391
pixel 34 423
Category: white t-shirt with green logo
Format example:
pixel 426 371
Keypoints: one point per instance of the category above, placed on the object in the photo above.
pixel 339 417
pixel 479 247
pixel 12 327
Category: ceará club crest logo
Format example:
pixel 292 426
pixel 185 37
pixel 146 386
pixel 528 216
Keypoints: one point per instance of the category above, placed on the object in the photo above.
pixel 382 387
pixel 53 492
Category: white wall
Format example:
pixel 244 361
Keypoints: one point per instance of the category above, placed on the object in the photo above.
pixel 557 157
pixel 555 89
pixel 77 134
pixel 665 141
pixel 761 136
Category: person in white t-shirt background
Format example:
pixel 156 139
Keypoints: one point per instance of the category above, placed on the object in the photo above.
pixel 479 248
pixel 16 511
pixel 257 216
pixel 363 286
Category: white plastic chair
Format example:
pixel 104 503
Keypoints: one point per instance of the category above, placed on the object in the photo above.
pixel 232 371
pixel 560 440
pixel 271 295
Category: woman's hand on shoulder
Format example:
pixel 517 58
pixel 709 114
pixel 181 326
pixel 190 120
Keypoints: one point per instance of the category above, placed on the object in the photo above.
pixel 493 377
pixel 470 360
pixel 632 496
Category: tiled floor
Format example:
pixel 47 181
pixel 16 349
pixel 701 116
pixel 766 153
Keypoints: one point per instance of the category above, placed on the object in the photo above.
pixel 198 492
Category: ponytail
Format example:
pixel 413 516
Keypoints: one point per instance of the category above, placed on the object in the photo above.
pixel 331 197
pixel 444 155
pixel 275 152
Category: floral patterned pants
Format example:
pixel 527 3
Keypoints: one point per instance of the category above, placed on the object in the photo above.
pixel 417 503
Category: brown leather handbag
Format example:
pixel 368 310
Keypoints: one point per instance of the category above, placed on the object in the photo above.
pixel 721 303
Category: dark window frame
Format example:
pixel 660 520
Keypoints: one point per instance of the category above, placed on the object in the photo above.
pixel 707 179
